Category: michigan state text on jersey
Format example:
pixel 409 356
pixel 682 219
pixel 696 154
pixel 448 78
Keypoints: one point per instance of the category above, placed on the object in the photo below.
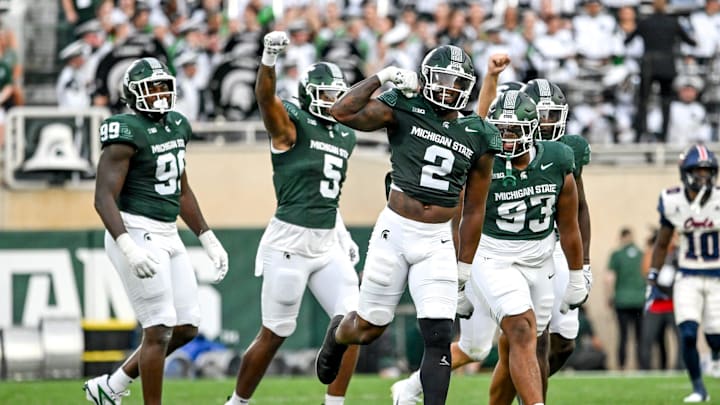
pixel 524 209
pixel 430 156
pixel 308 178
pixel 152 185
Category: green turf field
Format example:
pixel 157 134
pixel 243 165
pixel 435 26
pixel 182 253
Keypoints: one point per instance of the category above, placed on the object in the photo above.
pixel 586 389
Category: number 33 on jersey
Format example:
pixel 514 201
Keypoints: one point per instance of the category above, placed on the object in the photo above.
pixel 152 184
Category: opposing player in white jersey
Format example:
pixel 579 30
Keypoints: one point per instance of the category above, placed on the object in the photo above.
pixel 693 210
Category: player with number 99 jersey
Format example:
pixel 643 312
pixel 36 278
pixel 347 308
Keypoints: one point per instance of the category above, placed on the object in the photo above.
pixel 152 185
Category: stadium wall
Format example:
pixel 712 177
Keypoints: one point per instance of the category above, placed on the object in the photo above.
pixel 234 186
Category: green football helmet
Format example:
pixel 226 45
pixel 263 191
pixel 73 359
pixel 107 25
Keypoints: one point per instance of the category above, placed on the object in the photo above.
pixel 514 113
pixel 511 85
pixel 552 108
pixel 149 88
pixel 447 77
pixel 320 86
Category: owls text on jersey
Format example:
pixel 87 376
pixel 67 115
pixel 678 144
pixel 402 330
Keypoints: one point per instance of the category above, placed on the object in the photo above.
pixel 698 228
pixel 152 183
pixel 524 208
pixel 309 176
pixel 431 157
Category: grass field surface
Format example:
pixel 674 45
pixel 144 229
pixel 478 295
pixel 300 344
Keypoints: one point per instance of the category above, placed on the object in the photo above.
pixel 586 389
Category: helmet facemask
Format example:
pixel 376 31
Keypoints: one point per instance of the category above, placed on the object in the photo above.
pixel 322 97
pixel 516 136
pixel 695 179
pixel 552 119
pixel 320 86
pixel 147 97
pixel 447 87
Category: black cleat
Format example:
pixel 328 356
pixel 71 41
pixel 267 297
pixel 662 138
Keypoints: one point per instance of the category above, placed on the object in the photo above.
pixel 327 362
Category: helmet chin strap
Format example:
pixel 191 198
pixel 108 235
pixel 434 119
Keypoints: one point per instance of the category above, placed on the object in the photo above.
pixel 695 205
pixel 509 180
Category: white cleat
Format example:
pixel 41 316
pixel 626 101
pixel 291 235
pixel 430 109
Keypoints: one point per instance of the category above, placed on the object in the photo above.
pixel 714 369
pixel 696 397
pixel 99 392
pixel 403 394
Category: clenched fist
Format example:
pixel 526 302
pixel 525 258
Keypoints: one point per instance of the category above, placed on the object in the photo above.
pixel 275 42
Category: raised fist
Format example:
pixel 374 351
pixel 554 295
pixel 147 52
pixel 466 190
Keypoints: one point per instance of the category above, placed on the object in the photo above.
pixel 275 42
pixel 405 80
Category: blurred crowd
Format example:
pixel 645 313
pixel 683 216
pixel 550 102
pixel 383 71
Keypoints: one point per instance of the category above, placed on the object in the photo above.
pixel 632 71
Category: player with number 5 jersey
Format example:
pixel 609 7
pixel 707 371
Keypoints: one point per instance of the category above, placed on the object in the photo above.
pixel 142 186
pixel 306 243
pixel 434 153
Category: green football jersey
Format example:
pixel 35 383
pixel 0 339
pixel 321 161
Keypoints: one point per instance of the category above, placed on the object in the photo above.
pixel 525 209
pixel 152 184
pixel 430 157
pixel 309 176
pixel 581 151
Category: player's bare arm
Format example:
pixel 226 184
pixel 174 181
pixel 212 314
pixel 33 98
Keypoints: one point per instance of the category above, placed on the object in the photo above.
pixel 660 249
pixel 111 172
pixel 496 64
pixel 279 126
pixel 583 219
pixel 567 221
pixel 357 110
pixel 473 209
pixel 189 207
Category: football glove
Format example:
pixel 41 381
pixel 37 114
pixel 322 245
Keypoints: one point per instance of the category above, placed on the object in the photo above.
pixel 405 80
pixel 143 264
pixel 465 308
pixel 275 42
pixel 217 254
pixel 576 293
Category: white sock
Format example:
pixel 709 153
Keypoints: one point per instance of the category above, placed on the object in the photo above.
pixel 236 400
pixel 119 381
pixel 414 382
pixel 333 400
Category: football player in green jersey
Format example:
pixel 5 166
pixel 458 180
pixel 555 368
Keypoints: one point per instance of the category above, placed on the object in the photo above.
pixel 141 188
pixel 552 112
pixel 434 153
pixel 533 188
pixel 306 243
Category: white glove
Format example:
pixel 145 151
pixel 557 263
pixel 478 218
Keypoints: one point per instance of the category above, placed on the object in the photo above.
pixel 405 80
pixel 275 42
pixel 464 270
pixel 465 308
pixel 587 273
pixel 352 249
pixel 142 263
pixel 216 252
pixel 576 293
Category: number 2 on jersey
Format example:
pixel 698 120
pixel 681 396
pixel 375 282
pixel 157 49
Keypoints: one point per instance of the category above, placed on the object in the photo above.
pixel 168 171
pixel 430 173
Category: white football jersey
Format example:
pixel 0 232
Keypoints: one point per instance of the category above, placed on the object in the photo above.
pixel 697 226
